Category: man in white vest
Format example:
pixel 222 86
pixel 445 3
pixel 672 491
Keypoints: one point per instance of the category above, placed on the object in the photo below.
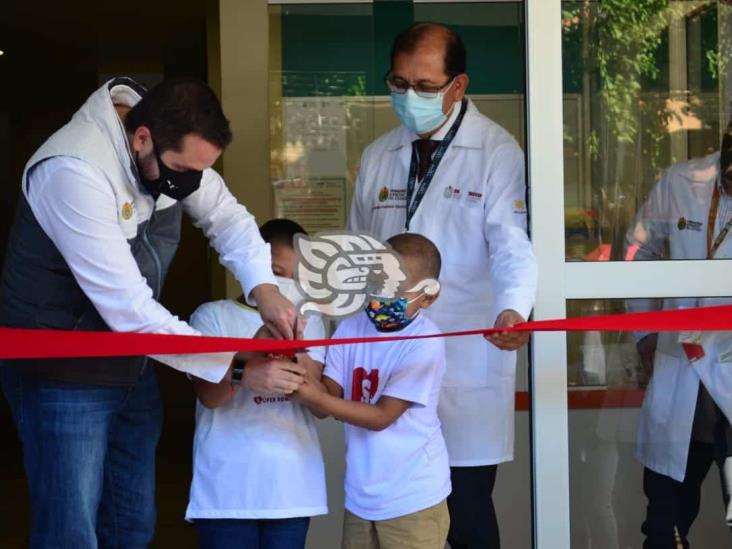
pixel 455 176
pixel 96 228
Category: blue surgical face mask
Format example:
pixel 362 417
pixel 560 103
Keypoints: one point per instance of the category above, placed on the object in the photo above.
pixel 419 114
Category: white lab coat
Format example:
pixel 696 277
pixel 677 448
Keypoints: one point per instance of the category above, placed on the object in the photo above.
pixel 685 191
pixel 474 211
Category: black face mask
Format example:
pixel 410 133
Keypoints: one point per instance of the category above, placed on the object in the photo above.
pixel 176 185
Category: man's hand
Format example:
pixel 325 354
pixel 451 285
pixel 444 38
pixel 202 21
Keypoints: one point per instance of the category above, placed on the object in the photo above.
pixel 276 311
pixel 647 352
pixel 508 341
pixel 272 375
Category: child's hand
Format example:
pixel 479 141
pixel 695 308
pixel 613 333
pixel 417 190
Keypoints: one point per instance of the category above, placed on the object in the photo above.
pixel 307 392
pixel 314 369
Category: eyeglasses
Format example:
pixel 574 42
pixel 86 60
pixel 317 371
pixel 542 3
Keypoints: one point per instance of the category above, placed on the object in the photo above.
pixel 399 85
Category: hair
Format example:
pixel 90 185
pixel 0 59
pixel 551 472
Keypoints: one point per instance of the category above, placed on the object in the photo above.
pixel 178 107
pixel 455 54
pixel 421 249
pixel 281 232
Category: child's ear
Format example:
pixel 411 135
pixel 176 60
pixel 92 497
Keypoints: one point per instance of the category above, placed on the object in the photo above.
pixel 429 300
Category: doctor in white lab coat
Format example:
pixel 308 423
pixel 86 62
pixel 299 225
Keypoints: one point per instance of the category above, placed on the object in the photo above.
pixel 463 177
pixel 684 424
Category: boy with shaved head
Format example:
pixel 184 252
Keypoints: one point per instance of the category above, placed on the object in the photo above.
pixel 397 471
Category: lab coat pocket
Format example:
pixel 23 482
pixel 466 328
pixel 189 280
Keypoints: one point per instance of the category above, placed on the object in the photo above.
pixel 662 388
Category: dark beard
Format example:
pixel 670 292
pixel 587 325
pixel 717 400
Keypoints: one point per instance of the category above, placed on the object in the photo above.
pixel 144 166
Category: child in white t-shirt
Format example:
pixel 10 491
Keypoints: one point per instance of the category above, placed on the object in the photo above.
pixel 397 471
pixel 258 473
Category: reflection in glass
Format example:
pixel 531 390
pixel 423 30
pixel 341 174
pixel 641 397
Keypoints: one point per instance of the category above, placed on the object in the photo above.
pixel 646 86
pixel 648 418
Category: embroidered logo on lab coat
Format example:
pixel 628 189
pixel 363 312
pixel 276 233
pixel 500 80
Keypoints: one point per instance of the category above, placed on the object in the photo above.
pixel 387 193
pixel 688 224
pixel 474 197
pixel 452 192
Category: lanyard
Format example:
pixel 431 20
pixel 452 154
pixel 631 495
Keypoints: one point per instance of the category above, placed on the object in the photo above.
pixel 712 247
pixel 413 201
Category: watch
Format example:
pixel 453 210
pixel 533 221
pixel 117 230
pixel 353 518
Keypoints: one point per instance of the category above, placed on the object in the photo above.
pixel 237 371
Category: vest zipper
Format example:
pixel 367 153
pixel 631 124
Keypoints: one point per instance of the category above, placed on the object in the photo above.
pixel 156 259
pixel 158 281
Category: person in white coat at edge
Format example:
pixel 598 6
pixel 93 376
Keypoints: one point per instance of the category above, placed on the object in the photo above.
pixel 453 175
pixel 96 228
pixel 684 422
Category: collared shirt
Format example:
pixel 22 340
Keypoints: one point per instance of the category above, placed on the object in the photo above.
pixel 76 208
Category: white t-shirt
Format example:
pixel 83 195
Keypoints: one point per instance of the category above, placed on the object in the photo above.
pixel 404 468
pixel 257 456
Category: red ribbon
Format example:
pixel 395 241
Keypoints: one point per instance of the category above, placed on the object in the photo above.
pixel 30 343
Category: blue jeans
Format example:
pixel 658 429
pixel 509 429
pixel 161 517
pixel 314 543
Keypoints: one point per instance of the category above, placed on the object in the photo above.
pixel 89 455
pixel 252 533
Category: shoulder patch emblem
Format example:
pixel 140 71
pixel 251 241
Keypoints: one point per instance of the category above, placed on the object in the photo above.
pixel 127 210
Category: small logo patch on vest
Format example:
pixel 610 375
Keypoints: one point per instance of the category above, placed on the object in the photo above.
pixel 127 210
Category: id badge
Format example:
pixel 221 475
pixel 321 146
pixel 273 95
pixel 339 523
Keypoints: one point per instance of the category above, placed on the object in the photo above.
pixel 691 343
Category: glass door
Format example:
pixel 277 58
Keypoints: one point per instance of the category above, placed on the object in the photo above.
pixel 644 92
